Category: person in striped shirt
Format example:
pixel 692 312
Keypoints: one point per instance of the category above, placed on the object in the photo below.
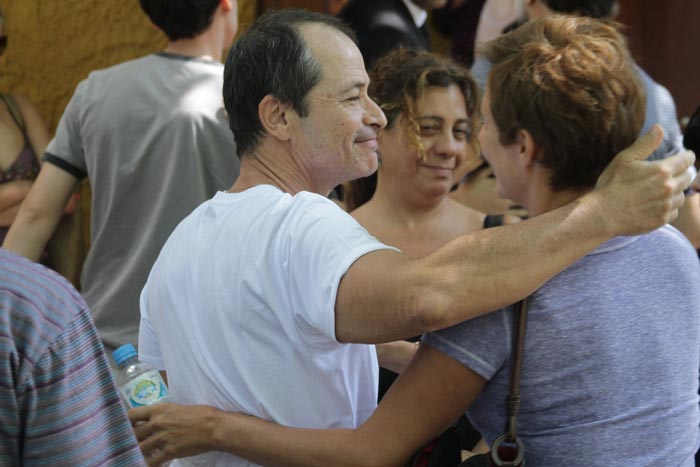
pixel 58 402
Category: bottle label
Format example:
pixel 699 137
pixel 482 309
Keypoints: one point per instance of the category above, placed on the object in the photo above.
pixel 146 389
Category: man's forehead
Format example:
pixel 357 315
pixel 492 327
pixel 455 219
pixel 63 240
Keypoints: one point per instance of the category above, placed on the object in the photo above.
pixel 341 62
pixel 327 43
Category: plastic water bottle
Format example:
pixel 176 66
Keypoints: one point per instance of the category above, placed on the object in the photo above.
pixel 139 383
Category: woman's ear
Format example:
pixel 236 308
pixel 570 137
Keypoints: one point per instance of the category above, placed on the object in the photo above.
pixel 527 148
pixel 274 117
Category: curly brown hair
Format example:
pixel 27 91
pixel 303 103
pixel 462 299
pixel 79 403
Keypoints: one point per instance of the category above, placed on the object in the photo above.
pixel 397 81
pixel 572 84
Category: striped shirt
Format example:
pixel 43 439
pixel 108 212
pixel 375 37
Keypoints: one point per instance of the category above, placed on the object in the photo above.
pixel 58 402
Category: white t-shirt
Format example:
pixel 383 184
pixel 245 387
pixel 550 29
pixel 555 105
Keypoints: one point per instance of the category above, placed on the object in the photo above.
pixel 239 310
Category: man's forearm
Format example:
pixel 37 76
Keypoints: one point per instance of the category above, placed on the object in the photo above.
pixel 489 269
pixel 28 234
pixel 391 297
pixel 40 212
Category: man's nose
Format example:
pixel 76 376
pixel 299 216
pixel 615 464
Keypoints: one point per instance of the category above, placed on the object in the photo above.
pixel 374 115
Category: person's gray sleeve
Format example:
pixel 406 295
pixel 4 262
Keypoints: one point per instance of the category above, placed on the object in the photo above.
pixel 480 71
pixel 66 148
pixel 481 344
pixel 661 109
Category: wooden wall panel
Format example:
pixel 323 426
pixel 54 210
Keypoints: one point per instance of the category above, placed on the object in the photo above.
pixel 665 40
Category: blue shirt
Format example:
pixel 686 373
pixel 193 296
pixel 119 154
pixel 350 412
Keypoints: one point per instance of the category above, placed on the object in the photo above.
pixel 612 353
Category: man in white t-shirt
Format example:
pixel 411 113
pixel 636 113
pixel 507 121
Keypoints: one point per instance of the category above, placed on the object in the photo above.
pixel 261 299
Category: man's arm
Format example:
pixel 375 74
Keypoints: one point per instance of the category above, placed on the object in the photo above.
pixel 385 296
pixel 40 212
pixel 433 391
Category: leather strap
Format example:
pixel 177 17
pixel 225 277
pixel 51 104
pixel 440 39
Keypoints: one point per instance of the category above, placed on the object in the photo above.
pixel 516 362
pixel 507 450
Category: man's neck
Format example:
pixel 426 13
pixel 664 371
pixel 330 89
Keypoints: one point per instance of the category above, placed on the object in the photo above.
pixel 200 47
pixel 258 168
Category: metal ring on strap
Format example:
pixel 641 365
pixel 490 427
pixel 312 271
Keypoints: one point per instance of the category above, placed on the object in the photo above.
pixel 519 456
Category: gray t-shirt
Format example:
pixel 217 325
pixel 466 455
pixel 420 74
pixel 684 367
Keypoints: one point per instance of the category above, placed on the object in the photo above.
pixel 610 371
pixel 153 138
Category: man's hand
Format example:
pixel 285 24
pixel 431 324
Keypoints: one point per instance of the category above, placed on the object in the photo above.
pixel 637 196
pixel 171 431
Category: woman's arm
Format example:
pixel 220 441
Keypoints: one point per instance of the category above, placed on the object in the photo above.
pixel 396 356
pixel 11 196
pixel 432 392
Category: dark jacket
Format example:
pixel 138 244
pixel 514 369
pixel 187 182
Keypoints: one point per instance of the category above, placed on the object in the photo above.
pixel 383 25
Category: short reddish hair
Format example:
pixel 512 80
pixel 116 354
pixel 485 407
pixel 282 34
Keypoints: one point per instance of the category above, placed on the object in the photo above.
pixel 572 84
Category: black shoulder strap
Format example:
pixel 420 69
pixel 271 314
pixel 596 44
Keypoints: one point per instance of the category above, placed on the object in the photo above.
pixel 12 106
pixel 493 220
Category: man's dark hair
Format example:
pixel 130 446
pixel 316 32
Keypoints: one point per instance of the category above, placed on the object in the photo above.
pixel 180 19
pixel 271 58
pixel 590 8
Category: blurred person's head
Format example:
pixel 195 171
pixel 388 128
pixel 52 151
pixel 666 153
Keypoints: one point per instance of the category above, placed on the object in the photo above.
pixel 429 4
pixel 592 8
pixel 185 19
pixel 563 97
pixel 272 58
pixel 431 105
pixel 691 135
pixel 3 33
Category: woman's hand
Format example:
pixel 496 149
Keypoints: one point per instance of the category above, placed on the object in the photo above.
pixel 170 431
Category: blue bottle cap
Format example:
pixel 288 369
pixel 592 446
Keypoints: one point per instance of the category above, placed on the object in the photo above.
pixel 124 353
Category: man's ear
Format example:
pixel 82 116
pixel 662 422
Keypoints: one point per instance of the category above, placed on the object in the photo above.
pixel 274 117
pixel 527 147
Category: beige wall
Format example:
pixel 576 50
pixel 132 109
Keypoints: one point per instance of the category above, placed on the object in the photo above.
pixel 52 46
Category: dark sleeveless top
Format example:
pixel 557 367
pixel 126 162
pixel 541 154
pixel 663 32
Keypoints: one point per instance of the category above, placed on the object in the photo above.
pixel 26 165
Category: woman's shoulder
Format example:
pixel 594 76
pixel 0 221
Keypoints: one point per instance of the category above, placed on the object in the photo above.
pixel 24 104
pixel 27 110
pixel 464 218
